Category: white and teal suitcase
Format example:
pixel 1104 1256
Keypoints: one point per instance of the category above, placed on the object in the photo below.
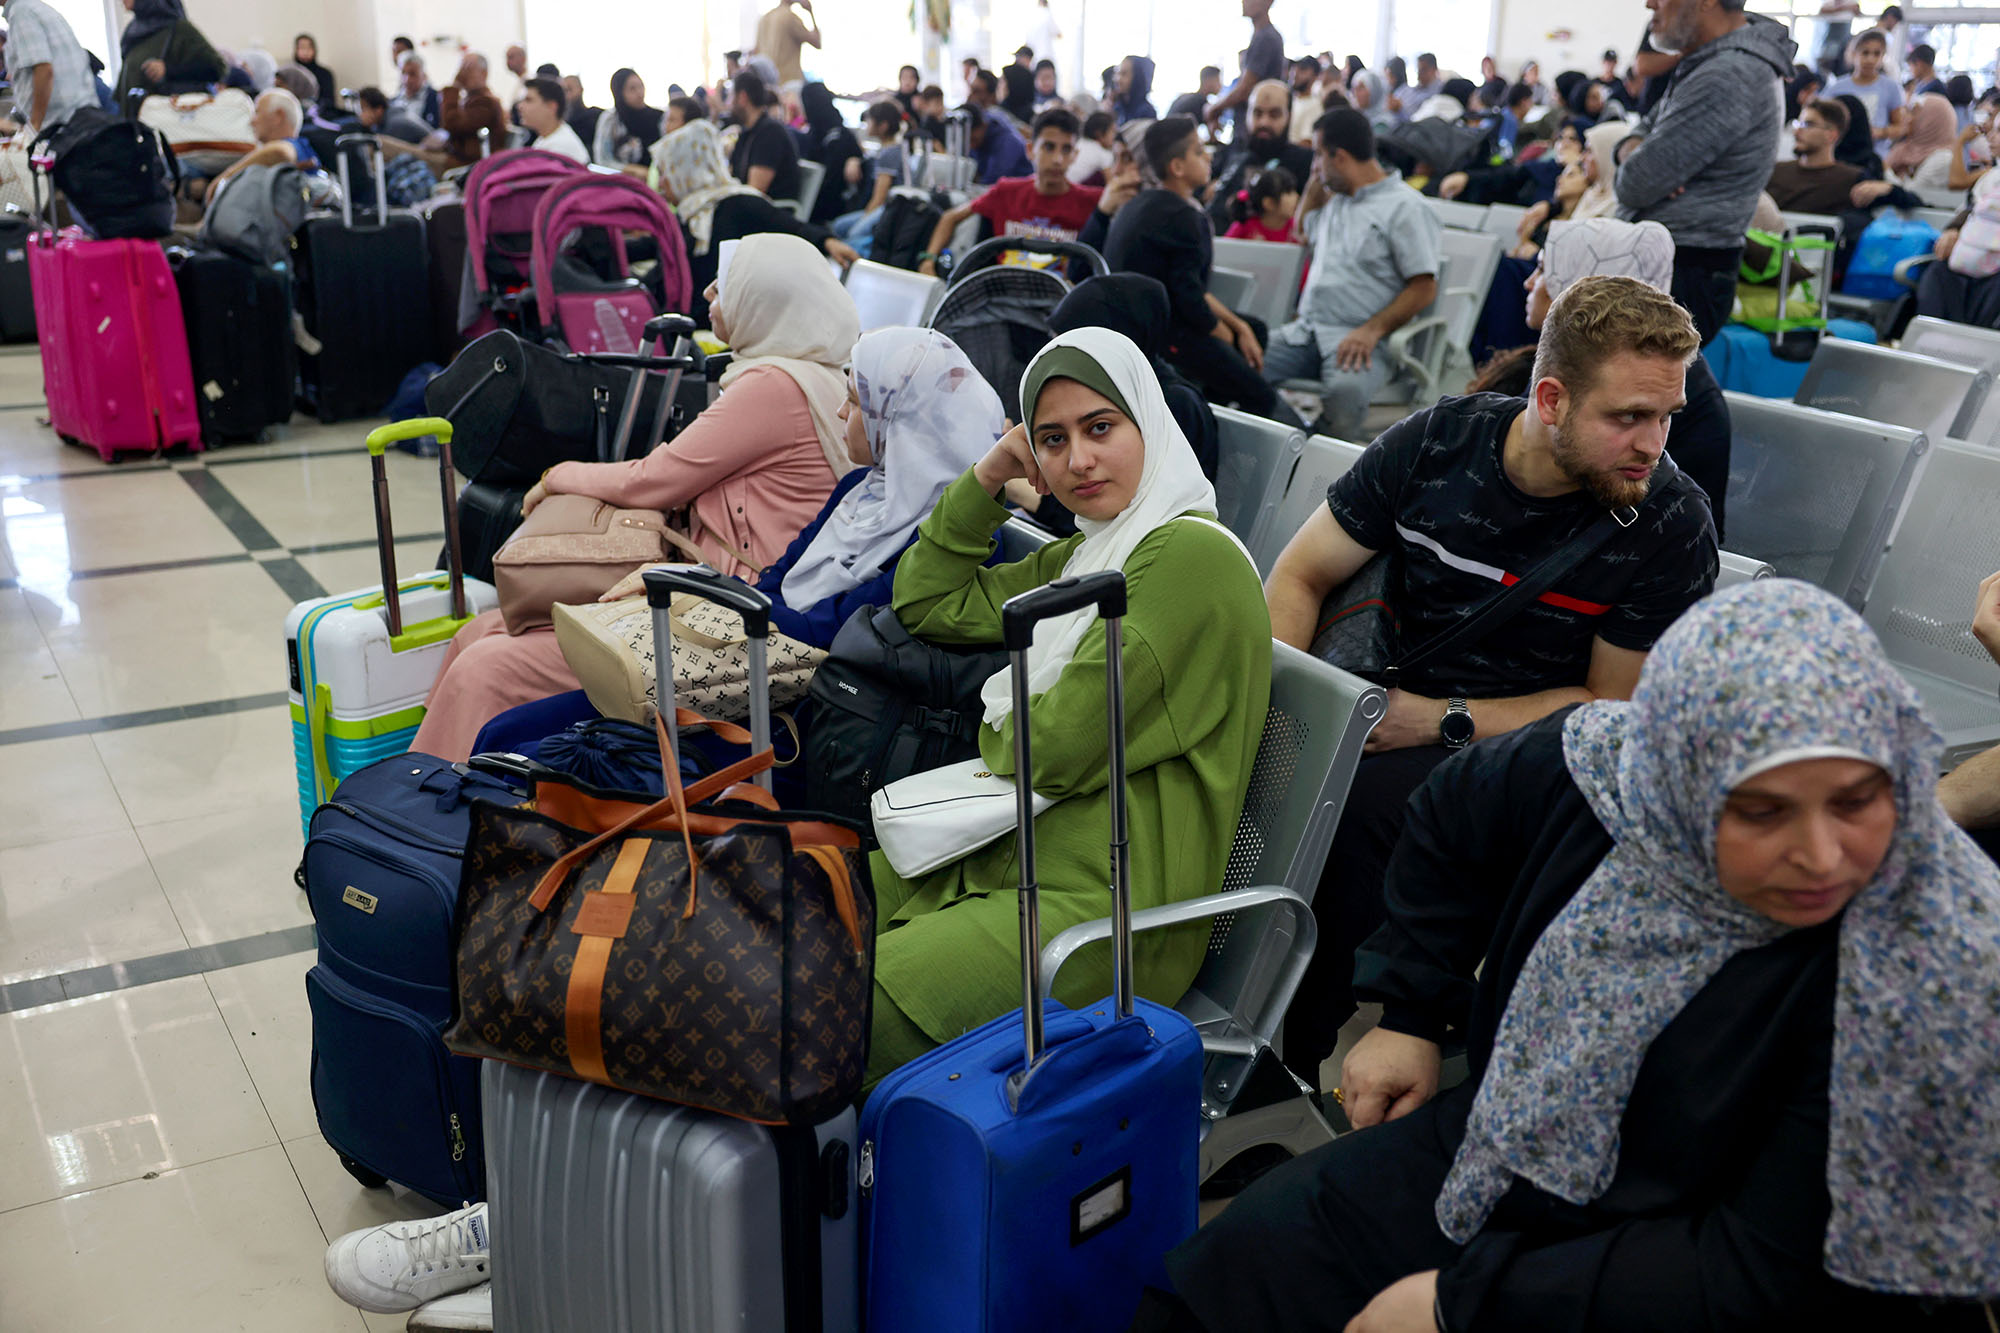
pixel 363 662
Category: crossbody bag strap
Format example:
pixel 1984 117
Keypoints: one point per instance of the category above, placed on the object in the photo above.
pixel 1509 602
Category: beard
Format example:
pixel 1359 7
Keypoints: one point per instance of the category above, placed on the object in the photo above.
pixel 1265 147
pixel 1608 486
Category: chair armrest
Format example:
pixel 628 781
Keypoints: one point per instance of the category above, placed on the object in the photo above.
pixel 1901 273
pixel 1059 950
pixel 788 205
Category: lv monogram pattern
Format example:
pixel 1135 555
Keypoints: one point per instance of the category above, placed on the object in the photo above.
pixel 711 656
pixel 756 1006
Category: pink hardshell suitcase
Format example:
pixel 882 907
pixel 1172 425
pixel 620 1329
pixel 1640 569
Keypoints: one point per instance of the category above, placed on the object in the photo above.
pixel 114 349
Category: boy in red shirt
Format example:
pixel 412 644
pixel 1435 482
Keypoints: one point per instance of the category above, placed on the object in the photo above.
pixel 1043 205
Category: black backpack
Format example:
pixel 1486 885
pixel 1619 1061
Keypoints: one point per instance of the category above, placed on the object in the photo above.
pixel 884 705
pixel 904 229
pixel 119 176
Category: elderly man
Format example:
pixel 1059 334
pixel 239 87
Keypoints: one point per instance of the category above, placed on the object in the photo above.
pixel 415 99
pixel 466 108
pixel 1268 144
pixel 276 121
pixel 1708 145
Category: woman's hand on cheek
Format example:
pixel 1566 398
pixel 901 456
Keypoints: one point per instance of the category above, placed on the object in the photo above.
pixel 1010 457
pixel 1408 1306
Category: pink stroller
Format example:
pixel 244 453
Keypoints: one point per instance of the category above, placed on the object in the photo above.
pixel 501 196
pixel 580 304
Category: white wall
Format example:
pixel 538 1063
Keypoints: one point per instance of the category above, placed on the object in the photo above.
pixel 354 38
pixel 1524 27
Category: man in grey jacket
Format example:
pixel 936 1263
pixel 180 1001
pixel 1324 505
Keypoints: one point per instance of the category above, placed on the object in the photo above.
pixel 1708 144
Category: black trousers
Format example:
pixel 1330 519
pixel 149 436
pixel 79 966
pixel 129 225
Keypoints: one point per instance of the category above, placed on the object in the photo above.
pixel 1705 286
pixel 1943 294
pixel 1310 1243
pixel 1222 374
pixel 1348 903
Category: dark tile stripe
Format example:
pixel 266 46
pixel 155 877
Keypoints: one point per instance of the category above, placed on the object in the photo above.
pixel 160 967
pixel 90 726
pixel 297 581
pixel 158 566
pixel 240 521
pixel 368 543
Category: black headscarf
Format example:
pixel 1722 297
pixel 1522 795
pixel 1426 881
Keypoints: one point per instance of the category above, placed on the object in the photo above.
pixel 1136 306
pixel 1857 146
pixel 832 144
pixel 641 122
pixel 1019 101
pixel 149 17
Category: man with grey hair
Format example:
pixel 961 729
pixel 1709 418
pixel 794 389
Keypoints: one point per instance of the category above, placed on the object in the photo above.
pixel 1707 144
pixel 276 121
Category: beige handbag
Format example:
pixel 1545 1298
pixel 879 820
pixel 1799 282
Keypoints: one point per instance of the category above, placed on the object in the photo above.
pixel 609 645
pixel 571 549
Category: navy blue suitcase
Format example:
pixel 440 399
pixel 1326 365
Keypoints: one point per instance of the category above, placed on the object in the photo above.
pixel 381 871
pixel 1032 1175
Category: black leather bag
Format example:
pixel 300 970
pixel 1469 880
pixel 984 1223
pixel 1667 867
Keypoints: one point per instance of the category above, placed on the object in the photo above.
pixel 118 175
pixel 885 704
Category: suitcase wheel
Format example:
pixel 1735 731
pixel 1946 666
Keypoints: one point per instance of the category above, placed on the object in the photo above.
pixel 368 1179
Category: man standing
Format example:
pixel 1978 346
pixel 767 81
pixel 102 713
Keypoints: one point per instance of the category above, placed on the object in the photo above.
pixel 49 67
pixel 1374 266
pixel 1468 496
pixel 1708 145
pixel 782 34
pixel 1263 59
pixel 1268 144
pixel 765 157
pixel 1193 104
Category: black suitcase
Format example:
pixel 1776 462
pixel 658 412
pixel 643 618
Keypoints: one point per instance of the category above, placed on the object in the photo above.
pixel 17 299
pixel 364 292
pixel 239 325
pixel 444 232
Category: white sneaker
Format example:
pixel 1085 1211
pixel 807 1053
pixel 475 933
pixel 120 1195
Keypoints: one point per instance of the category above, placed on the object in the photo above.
pixel 468 1309
pixel 399 1266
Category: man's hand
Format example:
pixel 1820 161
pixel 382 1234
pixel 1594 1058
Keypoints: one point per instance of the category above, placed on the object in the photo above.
pixel 1453 185
pixel 1408 1306
pixel 1409 720
pixel 1388 1075
pixel 1357 350
pixel 1248 347
pixel 1986 616
pixel 1010 457
pixel 928 268
pixel 154 70
pixel 1945 241
pixel 1119 189
pixel 852 171
pixel 1865 193
pixel 841 253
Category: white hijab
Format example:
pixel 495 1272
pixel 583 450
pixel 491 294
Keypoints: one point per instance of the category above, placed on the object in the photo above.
pixel 929 417
pixel 1170 484
pixel 783 307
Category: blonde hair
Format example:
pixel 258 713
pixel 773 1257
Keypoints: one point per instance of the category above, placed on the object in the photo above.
pixel 1598 317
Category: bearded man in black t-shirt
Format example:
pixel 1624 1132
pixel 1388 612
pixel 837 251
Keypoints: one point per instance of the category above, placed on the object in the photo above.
pixel 1465 498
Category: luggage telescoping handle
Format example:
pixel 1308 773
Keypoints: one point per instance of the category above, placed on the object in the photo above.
pixel 340 146
pixel 662 582
pixel 1106 591
pixel 379 441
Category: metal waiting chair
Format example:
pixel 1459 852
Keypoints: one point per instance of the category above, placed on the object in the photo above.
pixel 1737 569
pixel 1254 457
pixel 1020 538
pixel 1457 213
pixel 1322 462
pixel 1274 267
pixel 1921 606
pixel 1234 287
pixel 1815 494
pixel 1263 930
pixel 1965 345
pixel 1940 398
pixel 811 176
pixel 1504 221
pixel 889 297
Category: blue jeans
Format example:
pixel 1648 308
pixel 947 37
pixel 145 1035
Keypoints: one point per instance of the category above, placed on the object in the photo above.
pixel 1297 353
pixel 857 229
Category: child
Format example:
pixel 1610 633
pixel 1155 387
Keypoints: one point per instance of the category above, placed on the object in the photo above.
pixel 1264 211
pixel 1887 118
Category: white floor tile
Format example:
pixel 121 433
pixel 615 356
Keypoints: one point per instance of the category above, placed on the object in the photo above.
pixel 55 789
pixel 265 1006
pixel 136 641
pixel 342 1203
pixel 344 571
pixel 110 521
pixel 229 874
pixel 104 1089
pixel 205 766
pixel 228 1244
pixel 81 902
pixel 32 690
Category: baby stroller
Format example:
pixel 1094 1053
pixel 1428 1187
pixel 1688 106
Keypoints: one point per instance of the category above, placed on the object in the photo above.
pixel 501 195
pixel 579 306
pixel 999 313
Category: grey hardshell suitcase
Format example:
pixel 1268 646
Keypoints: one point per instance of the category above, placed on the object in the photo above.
pixel 616 1213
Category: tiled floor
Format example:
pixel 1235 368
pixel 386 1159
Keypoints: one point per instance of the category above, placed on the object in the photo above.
pixel 160 1168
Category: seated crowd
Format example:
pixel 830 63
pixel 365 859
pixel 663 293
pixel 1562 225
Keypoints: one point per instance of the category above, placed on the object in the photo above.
pixel 1689 851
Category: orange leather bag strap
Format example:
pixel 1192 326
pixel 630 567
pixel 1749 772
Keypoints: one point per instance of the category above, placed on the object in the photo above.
pixel 602 920
pixel 844 905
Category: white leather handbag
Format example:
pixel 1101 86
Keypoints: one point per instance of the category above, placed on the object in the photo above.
pixel 935 817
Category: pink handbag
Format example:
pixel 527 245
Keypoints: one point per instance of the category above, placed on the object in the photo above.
pixel 573 549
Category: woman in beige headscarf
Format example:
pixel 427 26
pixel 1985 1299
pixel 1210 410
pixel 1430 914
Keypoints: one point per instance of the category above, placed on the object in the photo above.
pixel 749 473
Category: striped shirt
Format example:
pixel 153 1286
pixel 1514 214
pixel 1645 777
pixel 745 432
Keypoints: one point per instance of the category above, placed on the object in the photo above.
pixel 37 35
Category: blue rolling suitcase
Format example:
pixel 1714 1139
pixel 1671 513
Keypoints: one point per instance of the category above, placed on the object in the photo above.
pixel 381 870
pixel 1032 1175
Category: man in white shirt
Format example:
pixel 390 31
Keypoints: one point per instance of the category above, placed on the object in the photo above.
pixel 51 70
pixel 542 105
